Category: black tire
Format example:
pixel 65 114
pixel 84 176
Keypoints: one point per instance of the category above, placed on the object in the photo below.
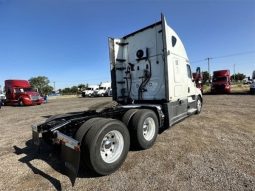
pixel 93 154
pixel 84 128
pixel 140 138
pixel 199 105
pixel 128 116
pixel 21 102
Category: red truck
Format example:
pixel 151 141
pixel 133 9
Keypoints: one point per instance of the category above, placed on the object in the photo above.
pixel 221 82
pixel 20 92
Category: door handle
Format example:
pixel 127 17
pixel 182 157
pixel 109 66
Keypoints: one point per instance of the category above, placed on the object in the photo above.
pixel 188 89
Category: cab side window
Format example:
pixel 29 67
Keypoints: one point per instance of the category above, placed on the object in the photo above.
pixel 189 71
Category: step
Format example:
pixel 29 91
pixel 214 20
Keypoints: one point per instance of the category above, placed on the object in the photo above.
pixel 191 111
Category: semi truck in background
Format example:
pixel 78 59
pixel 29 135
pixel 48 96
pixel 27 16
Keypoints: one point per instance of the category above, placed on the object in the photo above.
pixel 221 82
pixel 198 78
pixel 20 92
pixel 2 97
pixel 252 86
pixel 152 84
pixel 90 91
pixel 104 89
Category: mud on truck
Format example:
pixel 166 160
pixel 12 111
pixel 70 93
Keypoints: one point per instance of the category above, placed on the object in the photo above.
pixel 152 84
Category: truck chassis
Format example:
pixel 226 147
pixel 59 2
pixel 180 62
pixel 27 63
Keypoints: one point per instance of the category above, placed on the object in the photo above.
pixel 80 134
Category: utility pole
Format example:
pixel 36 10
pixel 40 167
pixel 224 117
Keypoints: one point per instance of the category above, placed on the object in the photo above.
pixel 208 62
pixel 54 86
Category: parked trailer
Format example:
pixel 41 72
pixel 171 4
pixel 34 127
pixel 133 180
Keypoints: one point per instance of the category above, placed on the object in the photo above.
pixel 152 83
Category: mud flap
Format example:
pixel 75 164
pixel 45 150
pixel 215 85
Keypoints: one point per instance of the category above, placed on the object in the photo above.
pixel 71 159
pixel 36 138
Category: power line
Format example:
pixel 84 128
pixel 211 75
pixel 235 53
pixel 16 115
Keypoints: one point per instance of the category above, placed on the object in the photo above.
pixel 225 56
pixel 235 54
pixel 197 61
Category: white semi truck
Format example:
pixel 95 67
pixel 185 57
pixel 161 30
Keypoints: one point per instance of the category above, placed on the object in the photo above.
pixel 252 86
pixel 152 83
pixel 104 89
pixel 90 91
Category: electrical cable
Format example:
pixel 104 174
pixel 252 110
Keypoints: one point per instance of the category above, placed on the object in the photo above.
pixel 144 83
pixel 225 56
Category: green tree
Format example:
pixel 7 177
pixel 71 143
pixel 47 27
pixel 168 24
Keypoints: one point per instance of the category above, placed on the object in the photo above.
pixel 47 90
pixel 81 86
pixel 74 89
pixel 66 91
pixel 42 84
pixel 238 77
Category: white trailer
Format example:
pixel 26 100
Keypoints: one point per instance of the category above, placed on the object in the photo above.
pixel 152 83
pixel 90 90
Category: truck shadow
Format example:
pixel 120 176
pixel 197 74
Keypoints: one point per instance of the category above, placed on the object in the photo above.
pixel 51 156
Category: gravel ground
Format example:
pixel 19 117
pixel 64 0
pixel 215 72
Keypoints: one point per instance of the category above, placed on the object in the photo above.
pixel 211 151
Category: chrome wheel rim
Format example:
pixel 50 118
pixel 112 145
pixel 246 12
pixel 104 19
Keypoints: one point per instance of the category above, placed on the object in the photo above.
pixel 112 146
pixel 149 128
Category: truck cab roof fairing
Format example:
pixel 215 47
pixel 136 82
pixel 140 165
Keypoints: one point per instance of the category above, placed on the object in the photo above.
pixel 174 44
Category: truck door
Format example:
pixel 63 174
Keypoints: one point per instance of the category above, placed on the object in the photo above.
pixel 191 89
pixel 9 93
pixel 180 87
pixel 190 83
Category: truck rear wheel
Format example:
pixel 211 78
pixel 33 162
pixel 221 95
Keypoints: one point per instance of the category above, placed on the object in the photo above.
pixel 128 116
pixel 105 146
pixel 144 128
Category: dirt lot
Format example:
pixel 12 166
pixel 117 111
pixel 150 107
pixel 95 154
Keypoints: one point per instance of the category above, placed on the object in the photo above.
pixel 211 151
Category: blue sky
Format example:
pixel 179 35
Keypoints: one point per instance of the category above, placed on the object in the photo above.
pixel 66 40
